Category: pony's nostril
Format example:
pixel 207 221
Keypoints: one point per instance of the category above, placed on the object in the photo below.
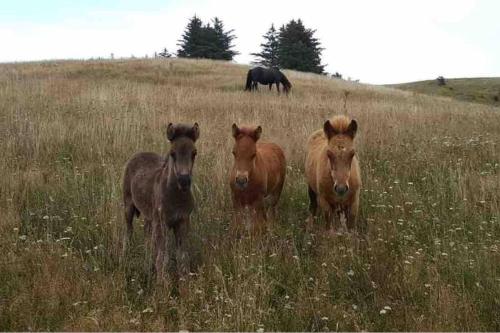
pixel 341 189
pixel 241 180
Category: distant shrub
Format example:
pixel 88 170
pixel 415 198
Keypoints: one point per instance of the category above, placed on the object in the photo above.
pixel 441 81
pixel 337 75
pixel 164 54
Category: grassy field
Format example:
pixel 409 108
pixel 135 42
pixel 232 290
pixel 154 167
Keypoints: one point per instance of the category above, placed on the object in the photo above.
pixel 477 90
pixel 429 260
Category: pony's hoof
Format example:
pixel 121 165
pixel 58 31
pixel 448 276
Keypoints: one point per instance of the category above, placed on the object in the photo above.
pixel 335 233
pixel 309 223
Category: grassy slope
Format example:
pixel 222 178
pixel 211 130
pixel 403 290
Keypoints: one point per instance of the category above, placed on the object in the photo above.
pixel 431 200
pixel 477 90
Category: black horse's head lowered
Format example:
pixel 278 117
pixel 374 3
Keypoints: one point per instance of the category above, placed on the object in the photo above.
pixel 267 76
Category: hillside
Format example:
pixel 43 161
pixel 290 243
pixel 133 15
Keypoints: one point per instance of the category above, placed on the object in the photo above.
pixel 476 90
pixel 427 256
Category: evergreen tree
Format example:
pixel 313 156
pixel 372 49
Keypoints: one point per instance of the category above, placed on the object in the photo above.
pixel 191 39
pixel 269 55
pixel 206 41
pixel 223 40
pixel 164 54
pixel 299 49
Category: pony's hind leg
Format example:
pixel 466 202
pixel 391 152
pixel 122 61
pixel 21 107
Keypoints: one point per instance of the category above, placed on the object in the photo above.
pixel 313 207
pixel 130 212
pixel 313 201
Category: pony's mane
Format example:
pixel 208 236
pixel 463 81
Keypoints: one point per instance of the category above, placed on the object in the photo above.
pixel 340 123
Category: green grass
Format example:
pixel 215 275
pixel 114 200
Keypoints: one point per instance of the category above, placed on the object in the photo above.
pixel 475 90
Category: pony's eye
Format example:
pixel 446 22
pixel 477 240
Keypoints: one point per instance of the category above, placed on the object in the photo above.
pixel 234 153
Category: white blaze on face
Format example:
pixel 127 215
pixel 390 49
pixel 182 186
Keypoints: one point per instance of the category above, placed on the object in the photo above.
pixel 241 174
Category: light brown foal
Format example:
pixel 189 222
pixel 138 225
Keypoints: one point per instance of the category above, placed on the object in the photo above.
pixel 257 176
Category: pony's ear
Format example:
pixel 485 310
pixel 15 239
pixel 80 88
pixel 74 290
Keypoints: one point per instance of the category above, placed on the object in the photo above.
pixel 170 131
pixel 257 133
pixel 352 128
pixel 236 130
pixel 195 132
pixel 329 130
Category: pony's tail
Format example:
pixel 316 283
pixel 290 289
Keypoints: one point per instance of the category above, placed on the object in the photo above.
pixel 248 86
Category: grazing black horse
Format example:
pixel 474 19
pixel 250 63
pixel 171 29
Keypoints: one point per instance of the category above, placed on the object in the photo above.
pixel 267 76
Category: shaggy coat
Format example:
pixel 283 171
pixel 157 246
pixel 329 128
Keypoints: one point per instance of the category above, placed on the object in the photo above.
pixel 332 172
pixel 257 176
pixel 159 189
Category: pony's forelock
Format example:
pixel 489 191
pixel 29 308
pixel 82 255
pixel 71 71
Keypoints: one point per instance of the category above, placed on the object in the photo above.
pixel 184 130
pixel 246 131
pixel 340 123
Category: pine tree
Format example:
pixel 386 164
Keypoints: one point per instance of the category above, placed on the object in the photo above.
pixel 164 53
pixel 206 41
pixel 224 41
pixel 269 55
pixel 190 40
pixel 299 49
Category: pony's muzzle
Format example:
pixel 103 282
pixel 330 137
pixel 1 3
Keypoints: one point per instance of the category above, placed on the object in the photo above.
pixel 341 189
pixel 184 182
pixel 241 181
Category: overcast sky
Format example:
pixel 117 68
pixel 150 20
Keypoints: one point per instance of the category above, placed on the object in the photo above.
pixel 374 41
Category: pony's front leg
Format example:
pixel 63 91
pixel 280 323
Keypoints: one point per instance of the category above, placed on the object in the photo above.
pixel 270 86
pixel 352 213
pixel 181 231
pixel 278 87
pixel 237 223
pixel 159 245
pixel 328 219
pixel 147 227
pixel 260 217
pixel 327 212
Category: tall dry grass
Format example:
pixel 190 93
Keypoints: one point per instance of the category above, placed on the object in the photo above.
pixel 430 259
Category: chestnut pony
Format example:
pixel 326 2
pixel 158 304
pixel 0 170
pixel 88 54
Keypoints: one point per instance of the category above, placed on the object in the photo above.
pixel 332 172
pixel 257 176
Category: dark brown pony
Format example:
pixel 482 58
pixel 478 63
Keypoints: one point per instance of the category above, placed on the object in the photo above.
pixel 332 172
pixel 257 176
pixel 159 188
pixel 267 76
